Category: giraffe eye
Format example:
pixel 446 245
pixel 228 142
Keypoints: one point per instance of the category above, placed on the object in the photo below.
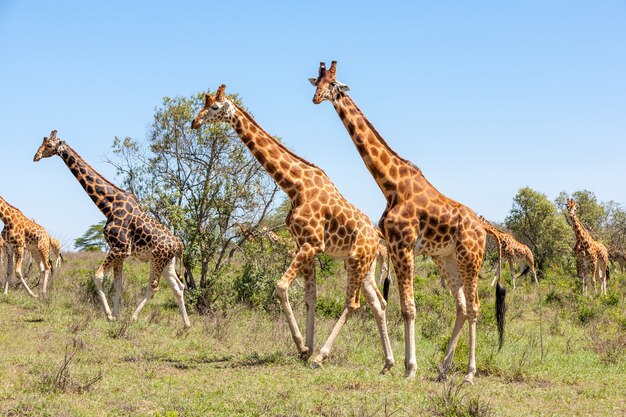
pixel 49 145
pixel 215 107
pixel 333 84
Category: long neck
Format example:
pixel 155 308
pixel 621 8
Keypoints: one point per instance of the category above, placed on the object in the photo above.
pixel 285 167
pixel 579 230
pixel 101 191
pixel 6 211
pixel 385 165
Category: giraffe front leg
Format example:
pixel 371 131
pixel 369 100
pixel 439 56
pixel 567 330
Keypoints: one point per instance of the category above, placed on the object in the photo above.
pixel 450 270
pixel 305 255
pixel 19 256
pixel 9 273
pixel 98 279
pixel 170 275
pixel 403 265
pixel 355 276
pixel 117 283
pixel 44 272
pixel 310 300
pixel 512 272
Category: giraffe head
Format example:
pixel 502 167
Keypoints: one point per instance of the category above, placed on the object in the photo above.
pixel 50 146
pixel 217 108
pixel 327 86
pixel 571 206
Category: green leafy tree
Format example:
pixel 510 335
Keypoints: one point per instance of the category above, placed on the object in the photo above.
pixel 199 182
pixel 590 212
pixel 93 239
pixel 535 221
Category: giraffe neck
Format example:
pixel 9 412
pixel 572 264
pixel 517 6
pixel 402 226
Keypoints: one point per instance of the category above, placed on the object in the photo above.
pixel 285 167
pixel 579 230
pixel 6 211
pixel 101 191
pixel 385 165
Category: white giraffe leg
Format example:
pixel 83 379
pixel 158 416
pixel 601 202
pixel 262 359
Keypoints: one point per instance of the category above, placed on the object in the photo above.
pixel 310 300
pixel 378 305
pixel 154 278
pixel 170 275
pixel 18 271
pixel 98 279
pixel 305 254
pixel 117 283
pixel 9 272
pixel 450 269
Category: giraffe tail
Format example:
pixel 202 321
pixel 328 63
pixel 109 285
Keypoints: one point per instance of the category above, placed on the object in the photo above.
pixel 386 285
pixel 608 274
pixel 500 312
pixel 524 272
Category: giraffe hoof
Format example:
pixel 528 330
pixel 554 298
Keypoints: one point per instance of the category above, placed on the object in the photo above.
pixel 305 354
pixel 443 376
pixel 386 369
pixel 316 365
pixel 409 374
pixel 469 379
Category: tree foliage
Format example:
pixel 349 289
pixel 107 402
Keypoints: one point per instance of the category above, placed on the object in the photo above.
pixel 200 183
pixel 535 221
pixel 93 239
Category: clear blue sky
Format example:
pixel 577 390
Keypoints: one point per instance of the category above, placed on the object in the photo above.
pixel 486 97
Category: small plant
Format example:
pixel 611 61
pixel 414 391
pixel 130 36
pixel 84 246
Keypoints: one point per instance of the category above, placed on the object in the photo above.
pixel 61 379
pixel 452 401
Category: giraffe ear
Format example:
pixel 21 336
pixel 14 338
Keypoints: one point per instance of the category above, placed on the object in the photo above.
pixel 313 81
pixel 342 87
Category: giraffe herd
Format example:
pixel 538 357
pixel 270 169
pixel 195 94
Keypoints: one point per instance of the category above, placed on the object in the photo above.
pixel 417 220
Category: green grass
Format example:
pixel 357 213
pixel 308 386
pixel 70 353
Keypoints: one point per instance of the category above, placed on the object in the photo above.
pixel 563 355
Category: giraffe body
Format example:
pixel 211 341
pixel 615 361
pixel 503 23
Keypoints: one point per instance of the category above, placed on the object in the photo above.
pixel 320 220
pixel 129 230
pixel 592 257
pixel 418 219
pixel 21 234
pixel 511 250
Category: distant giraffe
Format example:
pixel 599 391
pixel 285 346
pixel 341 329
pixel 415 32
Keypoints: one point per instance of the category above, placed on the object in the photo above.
pixel 19 234
pixel 592 257
pixel 129 231
pixel 320 220
pixel 418 219
pixel 617 254
pixel 55 250
pixel 512 251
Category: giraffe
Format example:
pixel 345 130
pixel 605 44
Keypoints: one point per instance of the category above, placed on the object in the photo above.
pixel 590 254
pixel 20 234
pixel 618 255
pixel 320 220
pixel 512 251
pixel 129 231
pixel 55 250
pixel 418 219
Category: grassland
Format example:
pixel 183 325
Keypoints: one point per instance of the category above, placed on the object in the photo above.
pixel 564 355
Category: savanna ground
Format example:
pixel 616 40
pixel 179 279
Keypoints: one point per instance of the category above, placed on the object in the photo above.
pixel 564 354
